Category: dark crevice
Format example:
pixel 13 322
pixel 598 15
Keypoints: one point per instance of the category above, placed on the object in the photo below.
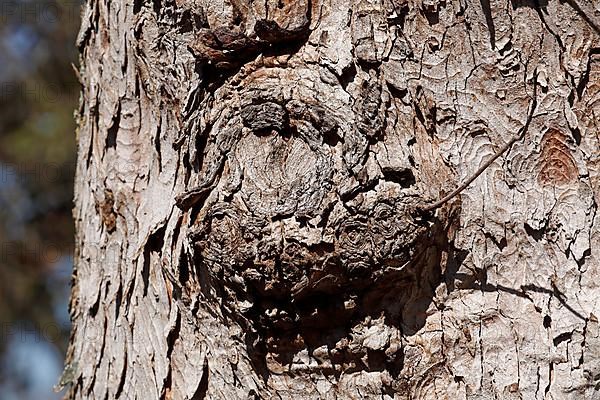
pixel 118 300
pixel 562 337
pixel 332 138
pixel 507 48
pixel 202 389
pixel 184 269
pixel 173 336
pixel 146 273
pixel 200 146
pixel 547 321
pixel 348 76
pixel 88 158
pixel 501 244
pixel 187 22
pixel 123 376
pixel 581 262
pixel 583 344
pixel 137 6
pixel 398 93
pixel 157 141
pixel 154 244
pixel 130 293
pixel 168 382
pixel 487 10
pixel 537 4
pixel 187 166
pixel 156 5
pixel 576 133
pixel 536 234
pixel 401 13
pixel 176 232
pixel 94 308
pixel 404 178
pixel 550 373
pixel 432 15
pixel 111 136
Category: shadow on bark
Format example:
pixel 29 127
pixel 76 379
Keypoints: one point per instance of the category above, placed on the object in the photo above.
pixel 539 4
pixel 478 281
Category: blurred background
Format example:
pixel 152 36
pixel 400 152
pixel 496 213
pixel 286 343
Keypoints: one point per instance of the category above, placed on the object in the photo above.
pixel 38 94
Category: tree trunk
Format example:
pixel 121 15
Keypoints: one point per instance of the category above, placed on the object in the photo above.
pixel 252 200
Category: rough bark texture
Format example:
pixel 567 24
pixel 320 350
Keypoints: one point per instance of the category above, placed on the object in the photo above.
pixel 251 187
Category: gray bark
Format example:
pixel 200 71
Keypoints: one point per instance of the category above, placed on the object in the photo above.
pixel 252 200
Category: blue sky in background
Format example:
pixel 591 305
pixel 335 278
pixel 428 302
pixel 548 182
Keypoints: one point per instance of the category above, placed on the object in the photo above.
pixel 32 364
pixel 30 367
pixel 38 93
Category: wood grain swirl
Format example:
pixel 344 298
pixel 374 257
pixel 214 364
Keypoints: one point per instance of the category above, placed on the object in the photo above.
pixel 556 165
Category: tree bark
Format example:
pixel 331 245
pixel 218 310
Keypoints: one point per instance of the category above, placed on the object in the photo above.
pixel 253 200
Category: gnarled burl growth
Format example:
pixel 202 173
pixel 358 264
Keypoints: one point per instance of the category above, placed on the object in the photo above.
pixel 303 240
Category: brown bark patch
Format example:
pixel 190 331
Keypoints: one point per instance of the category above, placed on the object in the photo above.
pixel 107 212
pixel 556 163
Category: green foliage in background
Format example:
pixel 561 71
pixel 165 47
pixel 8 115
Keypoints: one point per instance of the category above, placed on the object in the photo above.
pixel 38 95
